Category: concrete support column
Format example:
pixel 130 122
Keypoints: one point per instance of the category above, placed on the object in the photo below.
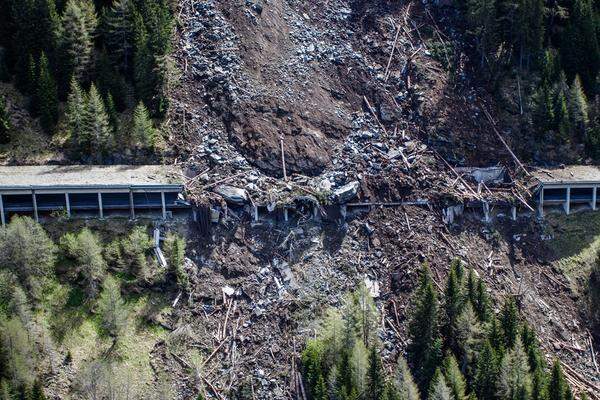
pixel 567 204
pixel 2 217
pixel 255 213
pixel 541 203
pixel 486 212
pixel 131 205
pixel 35 209
pixel 285 214
pixel 100 205
pixel 68 203
pixel 513 213
pixel 594 197
pixel 164 205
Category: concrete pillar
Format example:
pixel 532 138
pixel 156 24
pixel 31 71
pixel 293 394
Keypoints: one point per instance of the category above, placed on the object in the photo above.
pixel 486 211
pixel 513 213
pixel 567 205
pixel 35 209
pixel 68 203
pixel 594 190
pixel 285 214
pixel 100 205
pixel 541 203
pixel 2 217
pixel 255 213
pixel 131 205
pixel 164 205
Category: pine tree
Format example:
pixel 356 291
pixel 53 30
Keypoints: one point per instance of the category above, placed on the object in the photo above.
pixel 425 345
pixel 557 387
pixel 96 125
pixel 109 80
pixel 5 125
pixel 118 26
pixel 143 132
pixel 312 362
pixel 77 34
pixel 469 336
pixel 510 322
pixel 75 114
pixel 320 391
pixel 539 389
pixel 578 107
pixel 484 382
pixel 47 95
pixel 375 376
pixel 454 377
pixel 482 302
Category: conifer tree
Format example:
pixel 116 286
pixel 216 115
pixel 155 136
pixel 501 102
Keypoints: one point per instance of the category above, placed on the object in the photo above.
pixel 469 336
pixel 31 82
pixel 439 390
pixel 482 22
pixel 510 322
pixel 118 26
pixel 96 125
pixel 539 390
pixel 111 111
pixel 404 384
pixel 75 114
pixel 359 365
pixel 37 391
pixel 142 60
pixel 514 379
pixel 425 345
pixel 486 373
pixel 580 48
pixel 482 302
pixel 375 376
pixel 578 107
pixel 47 95
pixel 5 125
pixel 454 378
pixel 143 132
pixel 557 387
pixel 77 34
pixel 453 304
pixel 561 115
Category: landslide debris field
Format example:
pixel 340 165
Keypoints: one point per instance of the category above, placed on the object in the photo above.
pixel 346 91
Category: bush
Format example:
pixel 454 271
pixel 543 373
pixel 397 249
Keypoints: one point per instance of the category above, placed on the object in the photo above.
pixel 26 250
pixel 130 254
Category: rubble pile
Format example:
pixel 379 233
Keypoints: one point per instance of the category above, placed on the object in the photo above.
pixel 288 105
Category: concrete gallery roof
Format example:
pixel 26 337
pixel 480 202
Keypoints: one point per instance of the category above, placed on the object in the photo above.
pixel 89 176
pixel 574 174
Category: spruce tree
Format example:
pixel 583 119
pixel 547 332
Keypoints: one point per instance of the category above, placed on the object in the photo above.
pixel 375 376
pixel 484 382
pixel 510 322
pixel 47 95
pixel 561 115
pixel 404 383
pixel 143 132
pixel 438 389
pixel 5 125
pixel 113 116
pixel 481 15
pixel 454 377
pixel 118 27
pixel 142 61
pixel 75 114
pixel 514 379
pixel 453 304
pixel 557 387
pixel 425 344
pixel 77 34
pixel 482 302
pixel 578 107
pixel 37 391
pixel 96 125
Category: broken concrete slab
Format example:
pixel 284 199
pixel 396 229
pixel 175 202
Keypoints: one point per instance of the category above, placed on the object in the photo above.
pixel 346 192
pixel 232 194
